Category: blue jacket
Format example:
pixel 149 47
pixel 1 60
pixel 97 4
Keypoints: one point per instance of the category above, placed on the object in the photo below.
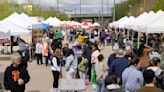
pixel 111 58
pixel 118 66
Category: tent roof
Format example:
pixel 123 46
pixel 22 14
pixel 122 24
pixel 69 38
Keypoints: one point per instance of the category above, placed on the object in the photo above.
pixel 122 23
pixel 147 17
pixel 27 18
pixel 117 22
pixel 53 21
pixel 143 26
pixel 16 19
pixel 14 29
pixel 129 25
pixel 157 26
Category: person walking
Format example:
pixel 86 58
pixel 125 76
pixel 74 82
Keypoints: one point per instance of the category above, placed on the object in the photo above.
pixel 132 79
pixel 38 51
pixel 102 37
pixel 56 63
pixel 101 73
pixel 149 80
pixel 16 77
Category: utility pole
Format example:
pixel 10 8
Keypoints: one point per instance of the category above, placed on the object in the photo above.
pixel 80 7
pixel 75 15
pixel 57 7
pixel 114 11
pixel 102 13
pixel 107 7
pixel 130 7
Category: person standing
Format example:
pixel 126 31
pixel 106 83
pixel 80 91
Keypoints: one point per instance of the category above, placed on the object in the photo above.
pixel 113 37
pixel 71 65
pixel 101 73
pixel 56 63
pixel 149 79
pixel 113 56
pixel 45 50
pixel 95 53
pixel 87 52
pixel 132 78
pixel 119 65
pixel 15 77
pixel 38 52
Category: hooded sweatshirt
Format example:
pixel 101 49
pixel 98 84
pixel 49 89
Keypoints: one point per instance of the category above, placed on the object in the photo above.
pixel 12 74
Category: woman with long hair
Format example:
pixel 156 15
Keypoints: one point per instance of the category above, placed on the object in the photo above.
pixel 56 63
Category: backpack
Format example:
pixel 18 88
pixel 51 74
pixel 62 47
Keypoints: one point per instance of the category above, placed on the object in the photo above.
pixel 83 65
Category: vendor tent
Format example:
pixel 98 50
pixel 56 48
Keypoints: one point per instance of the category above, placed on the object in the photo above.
pixel 122 23
pixel 143 26
pixel 114 24
pixel 55 22
pixel 96 24
pixel 14 29
pixel 145 18
pixel 156 27
pixel 4 33
pixel 130 24
pixel 16 19
pixel 27 18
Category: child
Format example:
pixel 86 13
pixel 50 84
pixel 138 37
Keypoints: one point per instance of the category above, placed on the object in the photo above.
pixel 101 73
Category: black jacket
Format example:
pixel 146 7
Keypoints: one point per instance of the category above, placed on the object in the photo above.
pixel 12 74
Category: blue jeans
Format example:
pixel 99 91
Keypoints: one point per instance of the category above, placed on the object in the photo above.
pixel 46 61
pixel 113 42
pixel 100 86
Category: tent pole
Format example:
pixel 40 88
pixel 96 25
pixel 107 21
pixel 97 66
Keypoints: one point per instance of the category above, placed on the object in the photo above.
pixel 132 38
pixel 138 42
pixel 10 44
pixel 30 57
pixel 146 39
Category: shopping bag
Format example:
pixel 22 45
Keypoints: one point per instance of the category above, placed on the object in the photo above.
pixel 93 76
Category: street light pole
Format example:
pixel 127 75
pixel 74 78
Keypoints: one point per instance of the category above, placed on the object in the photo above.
pixel 130 6
pixel 57 5
pixel 114 11
pixel 75 15
pixel 107 7
pixel 102 13
pixel 80 7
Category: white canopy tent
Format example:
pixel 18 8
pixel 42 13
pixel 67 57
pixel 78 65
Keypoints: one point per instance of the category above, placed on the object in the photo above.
pixel 14 29
pixel 122 23
pixel 114 24
pixel 142 20
pixel 143 26
pixel 16 19
pixel 55 22
pixel 130 24
pixel 156 27
pixel 27 18
pixel 96 24
pixel 4 33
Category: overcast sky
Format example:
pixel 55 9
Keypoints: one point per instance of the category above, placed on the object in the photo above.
pixel 69 6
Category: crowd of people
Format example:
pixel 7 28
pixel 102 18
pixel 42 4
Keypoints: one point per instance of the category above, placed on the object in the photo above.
pixel 78 54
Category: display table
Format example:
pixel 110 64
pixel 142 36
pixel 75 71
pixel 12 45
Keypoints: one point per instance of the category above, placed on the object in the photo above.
pixel 71 85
